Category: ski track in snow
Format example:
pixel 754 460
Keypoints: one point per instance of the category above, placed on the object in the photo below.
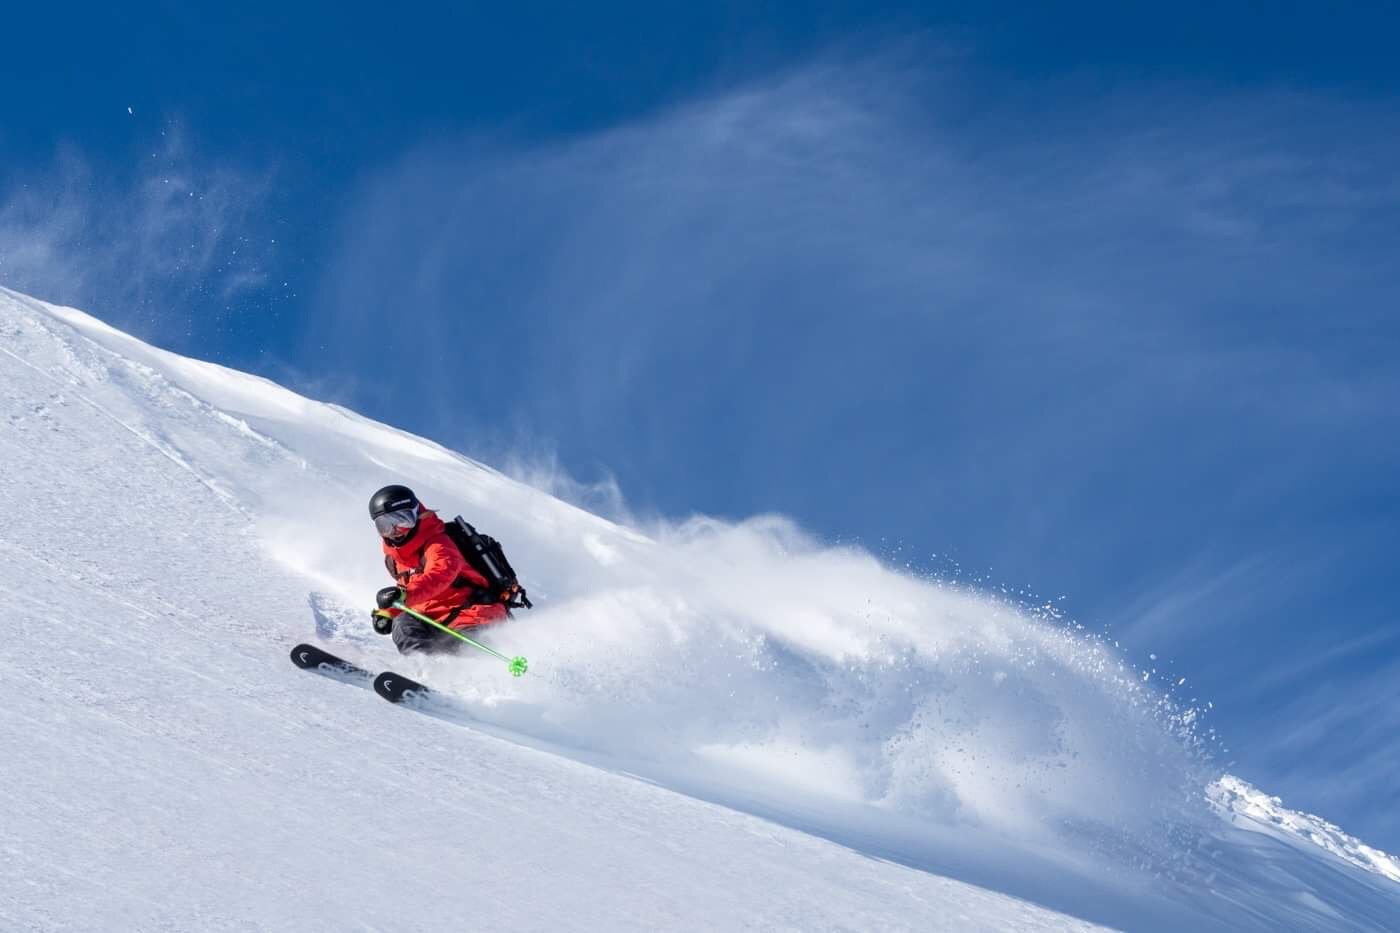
pixel 821 743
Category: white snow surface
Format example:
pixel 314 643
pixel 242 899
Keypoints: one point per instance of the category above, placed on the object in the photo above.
pixel 724 726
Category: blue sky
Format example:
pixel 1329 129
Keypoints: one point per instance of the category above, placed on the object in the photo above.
pixel 1097 301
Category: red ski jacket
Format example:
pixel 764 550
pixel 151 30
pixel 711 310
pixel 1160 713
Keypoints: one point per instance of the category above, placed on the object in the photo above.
pixel 438 581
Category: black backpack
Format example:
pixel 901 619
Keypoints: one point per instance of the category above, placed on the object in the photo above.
pixel 485 556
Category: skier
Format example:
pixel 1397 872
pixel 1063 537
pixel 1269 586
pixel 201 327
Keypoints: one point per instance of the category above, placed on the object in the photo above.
pixel 433 578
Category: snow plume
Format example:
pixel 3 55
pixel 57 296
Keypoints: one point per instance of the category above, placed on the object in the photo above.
pixel 751 662
pixel 143 243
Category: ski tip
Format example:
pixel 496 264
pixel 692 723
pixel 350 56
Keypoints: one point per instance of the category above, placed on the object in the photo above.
pixel 305 656
pixel 396 688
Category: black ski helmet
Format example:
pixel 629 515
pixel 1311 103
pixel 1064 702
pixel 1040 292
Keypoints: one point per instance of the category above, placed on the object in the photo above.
pixel 391 499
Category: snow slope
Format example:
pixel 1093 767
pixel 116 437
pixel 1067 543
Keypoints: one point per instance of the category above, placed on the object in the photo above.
pixel 724 726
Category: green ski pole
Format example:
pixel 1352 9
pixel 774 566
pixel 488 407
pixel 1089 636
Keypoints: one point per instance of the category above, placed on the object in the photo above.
pixel 517 665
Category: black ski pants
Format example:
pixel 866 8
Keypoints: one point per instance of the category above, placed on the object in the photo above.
pixel 411 635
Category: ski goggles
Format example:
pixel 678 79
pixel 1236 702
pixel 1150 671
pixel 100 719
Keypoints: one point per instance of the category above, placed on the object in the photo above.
pixel 397 523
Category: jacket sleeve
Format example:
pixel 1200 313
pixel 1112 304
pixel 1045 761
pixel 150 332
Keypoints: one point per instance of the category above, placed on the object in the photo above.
pixel 442 564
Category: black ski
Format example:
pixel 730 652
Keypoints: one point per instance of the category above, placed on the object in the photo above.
pixel 391 686
pixel 396 687
pixel 311 658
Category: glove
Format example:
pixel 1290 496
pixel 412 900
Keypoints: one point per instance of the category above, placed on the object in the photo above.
pixel 386 597
pixel 382 621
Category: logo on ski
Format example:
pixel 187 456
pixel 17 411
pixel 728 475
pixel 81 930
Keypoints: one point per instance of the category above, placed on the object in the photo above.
pixel 395 687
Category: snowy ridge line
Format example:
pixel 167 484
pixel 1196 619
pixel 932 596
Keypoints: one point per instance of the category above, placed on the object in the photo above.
pixel 816 737
pixel 223 387
pixel 1251 808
